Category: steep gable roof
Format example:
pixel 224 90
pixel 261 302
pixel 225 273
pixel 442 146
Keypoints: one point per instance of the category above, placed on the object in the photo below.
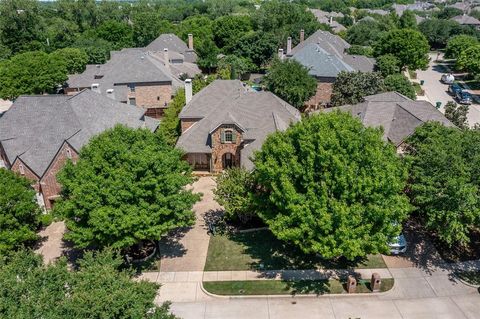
pixel 169 41
pixel 398 115
pixel 466 19
pixel 37 126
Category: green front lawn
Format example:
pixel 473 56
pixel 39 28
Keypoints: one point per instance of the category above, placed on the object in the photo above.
pixel 261 250
pixel 279 287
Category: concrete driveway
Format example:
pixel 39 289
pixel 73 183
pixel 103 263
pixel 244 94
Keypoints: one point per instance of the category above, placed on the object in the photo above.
pixel 436 91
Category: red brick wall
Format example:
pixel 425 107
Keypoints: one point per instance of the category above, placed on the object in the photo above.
pixel 322 96
pixel 186 123
pixel 50 186
pixel 219 149
pixel 27 172
pixel 3 156
pixel 152 95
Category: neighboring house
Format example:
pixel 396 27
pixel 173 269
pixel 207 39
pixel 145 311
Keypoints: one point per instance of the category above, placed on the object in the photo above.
pixel 327 18
pixel 465 6
pixel 324 54
pixel 227 121
pixel 377 11
pixel 416 6
pixel 40 133
pixel 145 77
pixel 465 19
pixel 397 114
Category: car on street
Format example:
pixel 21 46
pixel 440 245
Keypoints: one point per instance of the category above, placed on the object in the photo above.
pixel 463 97
pixel 448 78
pixel 454 88
pixel 398 245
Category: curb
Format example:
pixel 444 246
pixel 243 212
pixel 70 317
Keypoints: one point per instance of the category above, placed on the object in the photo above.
pixel 466 283
pixel 371 294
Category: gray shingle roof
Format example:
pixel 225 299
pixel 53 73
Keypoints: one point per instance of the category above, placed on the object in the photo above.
pixel 36 127
pixel 230 102
pixel 397 114
pixel 169 41
pixel 466 20
pixel 324 54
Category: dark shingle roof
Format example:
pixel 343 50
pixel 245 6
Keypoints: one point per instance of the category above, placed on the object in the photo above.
pixel 466 20
pixel 325 55
pixel 169 41
pixel 230 102
pixel 35 127
pixel 397 114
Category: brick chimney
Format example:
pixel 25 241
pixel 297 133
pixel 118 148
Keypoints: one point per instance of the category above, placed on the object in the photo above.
pixel 190 41
pixel 302 35
pixel 280 54
pixel 289 45
pixel 188 90
pixel 166 58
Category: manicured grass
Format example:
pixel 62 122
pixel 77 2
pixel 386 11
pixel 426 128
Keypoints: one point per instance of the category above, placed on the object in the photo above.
pixel 261 250
pixel 279 287
pixel 418 88
pixel 472 277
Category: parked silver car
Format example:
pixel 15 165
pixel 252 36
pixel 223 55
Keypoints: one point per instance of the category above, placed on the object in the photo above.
pixel 398 245
pixel 448 78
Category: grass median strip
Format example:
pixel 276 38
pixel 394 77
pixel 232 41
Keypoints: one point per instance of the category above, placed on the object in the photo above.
pixel 280 287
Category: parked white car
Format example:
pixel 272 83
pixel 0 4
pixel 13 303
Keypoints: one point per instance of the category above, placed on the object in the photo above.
pixel 398 246
pixel 448 78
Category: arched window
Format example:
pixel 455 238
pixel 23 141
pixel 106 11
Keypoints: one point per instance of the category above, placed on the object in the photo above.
pixel 21 169
pixel 69 153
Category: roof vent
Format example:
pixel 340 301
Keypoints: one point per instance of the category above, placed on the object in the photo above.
pixel 109 91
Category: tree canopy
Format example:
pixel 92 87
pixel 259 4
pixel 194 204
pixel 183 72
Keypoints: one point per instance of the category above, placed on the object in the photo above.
pixel 444 180
pixel 352 87
pixel 331 186
pixel 459 43
pixel 98 289
pixel 388 64
pixel 409 46
pixel 469 60
pixel 401 84
pixel 290 81
pixel 457 114
pixel 19 212
pixel 128 186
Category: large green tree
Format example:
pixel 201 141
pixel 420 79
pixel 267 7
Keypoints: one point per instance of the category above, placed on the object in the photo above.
pixel 97 289
pixel 74 59
pixel 469 60
pixel 401 84
pixel 19 211
pixel 331 186
pixel 409 46
pixel 352 87
pixel 438 31
pixel 259 47
pixel 290 81
pixel 227 29
pixel 444 180
pixel 459 43
pixel 31 73
pixel 127 187
pixel 147 26
pixel 388 64
pixel 457 114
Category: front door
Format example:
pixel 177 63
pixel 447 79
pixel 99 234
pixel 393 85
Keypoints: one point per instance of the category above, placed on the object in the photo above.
pixel 228 160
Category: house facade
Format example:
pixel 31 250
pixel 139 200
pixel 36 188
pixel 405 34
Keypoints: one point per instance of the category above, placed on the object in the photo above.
pixel 325 55
pixel 145 77
pixel 38 134
pixel 227 121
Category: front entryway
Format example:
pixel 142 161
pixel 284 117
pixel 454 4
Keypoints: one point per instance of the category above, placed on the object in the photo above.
pixel 228 160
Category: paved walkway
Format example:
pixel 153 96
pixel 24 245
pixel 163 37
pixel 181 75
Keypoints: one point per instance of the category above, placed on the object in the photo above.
pixel 51 242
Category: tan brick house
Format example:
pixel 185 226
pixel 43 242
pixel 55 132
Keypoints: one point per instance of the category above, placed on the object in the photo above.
pixel 325 55
pixel 38 134
pixel 145 77
pixel 227 121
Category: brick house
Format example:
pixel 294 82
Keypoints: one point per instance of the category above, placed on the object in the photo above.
pixel 40 133
pixel 397 114
pixel 324 54
pixel 227 121
pixel 145 77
